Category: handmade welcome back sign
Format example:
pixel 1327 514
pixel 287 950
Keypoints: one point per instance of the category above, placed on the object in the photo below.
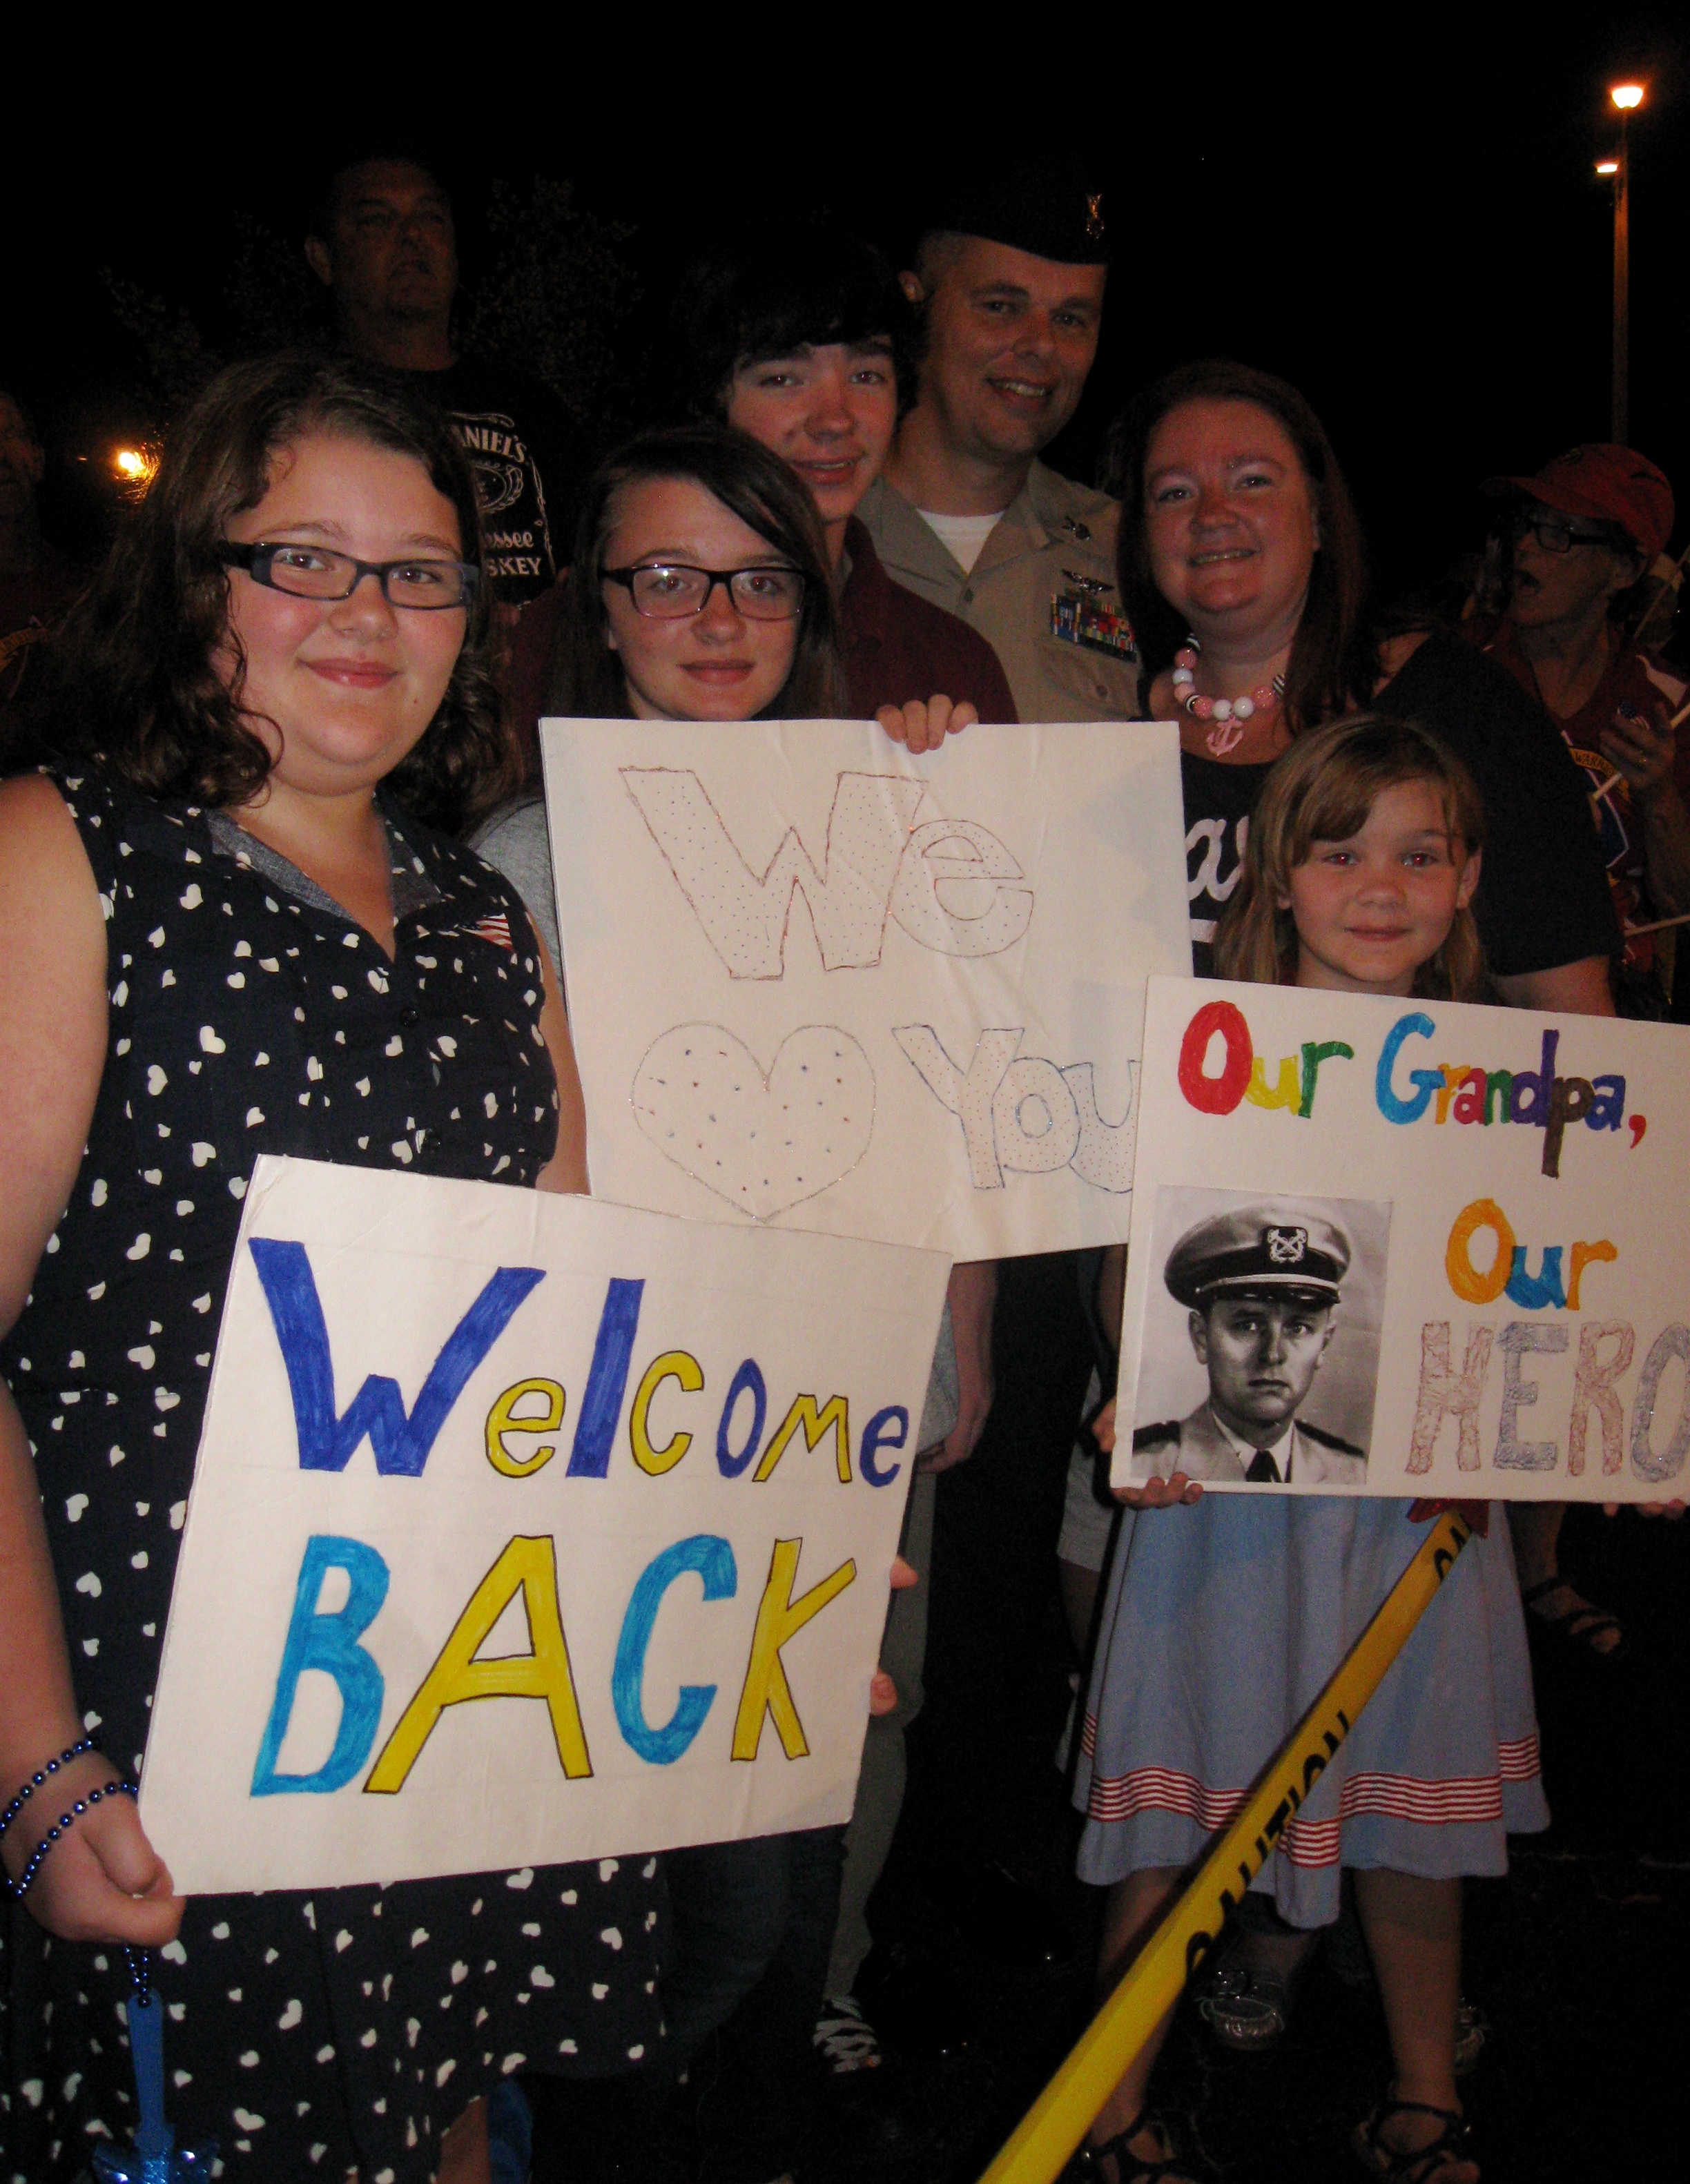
pixel 527 1529
pixel 816 983
pixel 1406 1248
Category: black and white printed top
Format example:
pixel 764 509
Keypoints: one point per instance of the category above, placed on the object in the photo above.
pixel 248 1014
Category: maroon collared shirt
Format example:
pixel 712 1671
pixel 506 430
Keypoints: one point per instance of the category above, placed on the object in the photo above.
pixel 899 646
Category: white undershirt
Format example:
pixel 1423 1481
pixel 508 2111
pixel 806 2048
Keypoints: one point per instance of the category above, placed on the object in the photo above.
pixel 964 537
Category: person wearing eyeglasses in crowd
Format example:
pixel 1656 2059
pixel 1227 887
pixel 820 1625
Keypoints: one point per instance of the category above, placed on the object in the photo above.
pixel 273 711
pixel 1583 533
pixel 701 589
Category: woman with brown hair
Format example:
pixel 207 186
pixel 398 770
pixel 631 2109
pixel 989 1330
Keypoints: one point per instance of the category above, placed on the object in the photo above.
pixel 221 908
pixel 1244 571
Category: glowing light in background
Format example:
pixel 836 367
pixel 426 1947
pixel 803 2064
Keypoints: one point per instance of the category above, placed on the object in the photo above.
pixel 1625 96
pixel 1608 166
pixel 134 466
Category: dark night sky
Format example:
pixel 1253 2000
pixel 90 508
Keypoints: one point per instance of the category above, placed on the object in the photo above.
pixel 1414 236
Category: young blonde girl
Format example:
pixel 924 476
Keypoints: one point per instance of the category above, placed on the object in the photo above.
pixel 1224 1620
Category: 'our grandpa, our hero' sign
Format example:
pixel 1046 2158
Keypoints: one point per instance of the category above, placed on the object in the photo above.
pixel 818 983
pixel 1407 1247
pixel 527 1529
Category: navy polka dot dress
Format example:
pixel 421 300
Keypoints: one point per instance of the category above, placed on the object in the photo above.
pixel 248 1014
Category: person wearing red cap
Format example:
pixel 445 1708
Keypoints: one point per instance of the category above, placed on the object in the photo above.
pixel 1584 533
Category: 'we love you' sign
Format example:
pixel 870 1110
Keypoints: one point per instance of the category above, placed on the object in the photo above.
pixel 816 983
pixel 525 1528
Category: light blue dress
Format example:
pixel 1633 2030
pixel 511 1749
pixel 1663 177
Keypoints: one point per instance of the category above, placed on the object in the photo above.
pixel 1222 1625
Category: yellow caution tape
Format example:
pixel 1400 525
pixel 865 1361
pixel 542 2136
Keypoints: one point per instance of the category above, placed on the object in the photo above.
pixel 1061 2116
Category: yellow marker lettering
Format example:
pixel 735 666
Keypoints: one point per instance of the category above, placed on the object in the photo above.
pixel 1586 1255
pixel 1289 1091
pixel 1464 1278
pixel 527 1566
pixel 778 1617
pixel 814 1423
pixel 672 1365
pixel 501 1420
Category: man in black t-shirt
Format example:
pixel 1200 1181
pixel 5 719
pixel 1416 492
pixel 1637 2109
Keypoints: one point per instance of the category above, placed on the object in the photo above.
pixel 384 244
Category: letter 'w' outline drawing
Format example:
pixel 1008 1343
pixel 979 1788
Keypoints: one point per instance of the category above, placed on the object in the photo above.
pixel 746 916
pixel 402 1443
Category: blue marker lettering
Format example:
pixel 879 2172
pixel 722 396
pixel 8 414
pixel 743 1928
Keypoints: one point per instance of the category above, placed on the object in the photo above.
pixel 713 1559
pixel 1391 1106
pixel 732 1461
pixel 877 1434
pixel 328 1642
pixel 606 1381
pixel 401 1443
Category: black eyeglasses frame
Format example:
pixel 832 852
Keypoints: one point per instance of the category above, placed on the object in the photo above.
pixel 729 576
pixel 1549 521
pixel 259 559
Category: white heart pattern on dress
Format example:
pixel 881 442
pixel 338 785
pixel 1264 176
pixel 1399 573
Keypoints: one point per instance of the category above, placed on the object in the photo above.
pixel 762 1141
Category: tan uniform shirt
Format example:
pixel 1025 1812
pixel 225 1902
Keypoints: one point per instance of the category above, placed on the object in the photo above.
pixel 1043 592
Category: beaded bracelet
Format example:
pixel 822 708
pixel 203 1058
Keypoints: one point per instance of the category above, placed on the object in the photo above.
pixel 34 1781
pixel 20 1887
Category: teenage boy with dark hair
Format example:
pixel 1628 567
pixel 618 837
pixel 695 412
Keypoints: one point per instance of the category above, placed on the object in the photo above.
pixel 799 334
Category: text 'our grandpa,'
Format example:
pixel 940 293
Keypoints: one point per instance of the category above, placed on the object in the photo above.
pixel 1220 1068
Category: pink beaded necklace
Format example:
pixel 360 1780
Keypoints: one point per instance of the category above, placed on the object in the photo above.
pixel 1227 713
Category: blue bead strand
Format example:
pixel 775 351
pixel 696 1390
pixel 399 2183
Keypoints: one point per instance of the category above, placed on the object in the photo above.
pixel 20 1887
pixel 36 1781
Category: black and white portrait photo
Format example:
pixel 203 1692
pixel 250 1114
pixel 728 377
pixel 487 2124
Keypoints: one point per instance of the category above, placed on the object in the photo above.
pixel 1260 1352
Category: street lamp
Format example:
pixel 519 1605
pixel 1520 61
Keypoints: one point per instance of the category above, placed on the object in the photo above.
pixel 1626 97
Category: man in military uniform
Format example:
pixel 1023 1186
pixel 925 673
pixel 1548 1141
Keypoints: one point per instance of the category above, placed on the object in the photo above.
pixel 1009 276
pixel 1262 1284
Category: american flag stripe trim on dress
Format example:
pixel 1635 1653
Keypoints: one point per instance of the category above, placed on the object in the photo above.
pixel 1455 1801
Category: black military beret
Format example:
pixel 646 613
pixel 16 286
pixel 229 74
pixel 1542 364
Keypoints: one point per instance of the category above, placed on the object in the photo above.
pixel 1040 206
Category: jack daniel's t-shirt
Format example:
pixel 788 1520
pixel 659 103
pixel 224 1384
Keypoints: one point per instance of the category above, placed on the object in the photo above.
pixel 529 463
pixel 1219 801
pixel 1543 897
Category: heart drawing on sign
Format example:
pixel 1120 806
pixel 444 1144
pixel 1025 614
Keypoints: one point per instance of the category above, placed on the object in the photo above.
pixel 764 1141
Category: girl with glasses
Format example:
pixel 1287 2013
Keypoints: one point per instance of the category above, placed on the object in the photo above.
pixel 701 591
pixel 221 906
